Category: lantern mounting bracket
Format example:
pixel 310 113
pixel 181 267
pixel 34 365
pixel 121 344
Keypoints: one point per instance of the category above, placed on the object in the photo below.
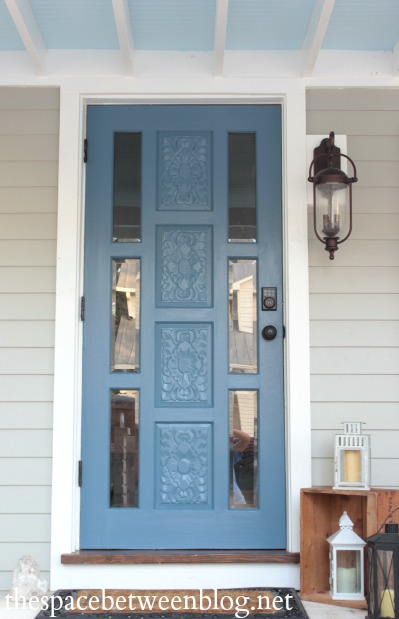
pixel 327 154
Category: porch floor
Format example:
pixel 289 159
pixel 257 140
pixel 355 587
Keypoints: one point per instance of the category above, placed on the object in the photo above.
pixel 328 611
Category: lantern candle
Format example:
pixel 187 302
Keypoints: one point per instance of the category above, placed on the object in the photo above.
pixel 346 580
pixel 352 466
pixel 388 603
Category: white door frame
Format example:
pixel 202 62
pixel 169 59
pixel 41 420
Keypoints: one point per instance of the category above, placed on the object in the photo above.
pixel 68 337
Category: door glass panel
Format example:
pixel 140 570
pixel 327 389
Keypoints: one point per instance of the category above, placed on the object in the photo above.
pixel 125 315
pixel 243 439
pixel 243 323
pixel 124 448
pixel 242 187
pixel 127 188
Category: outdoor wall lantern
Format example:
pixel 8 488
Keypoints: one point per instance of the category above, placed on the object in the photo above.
pixel 383 573
pixel 352 458
pixel 346 562
pixel 332 195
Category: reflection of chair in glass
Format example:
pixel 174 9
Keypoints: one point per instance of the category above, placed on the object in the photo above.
pixel 239 443
pixel 243 423
pixel 124 454
pixel 245 472
pixel 242 470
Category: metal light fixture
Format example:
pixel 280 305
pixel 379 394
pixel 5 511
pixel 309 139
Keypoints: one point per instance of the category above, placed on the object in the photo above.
pixel 383 573
pixel 352 458
pixel 332 195
pixel 346 562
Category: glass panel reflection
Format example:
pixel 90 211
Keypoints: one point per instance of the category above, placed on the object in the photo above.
pixel 243 437
pixel 127 187
pixel 242 187
pixel 243 319
pixel 124 448
pixel 125 314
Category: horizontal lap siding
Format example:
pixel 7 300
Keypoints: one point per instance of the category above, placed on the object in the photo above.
pixel 29 121
pixel 354 301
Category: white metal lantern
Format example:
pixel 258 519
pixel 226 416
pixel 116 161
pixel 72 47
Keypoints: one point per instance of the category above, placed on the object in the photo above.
pixel 346 562
pixel 352 458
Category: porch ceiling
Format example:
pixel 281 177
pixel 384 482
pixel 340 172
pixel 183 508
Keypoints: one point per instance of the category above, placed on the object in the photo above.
pixel 263 38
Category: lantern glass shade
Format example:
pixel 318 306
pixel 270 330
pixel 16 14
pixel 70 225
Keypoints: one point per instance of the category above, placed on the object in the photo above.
pixel 348 571
pixel 331 199
pixel 383 575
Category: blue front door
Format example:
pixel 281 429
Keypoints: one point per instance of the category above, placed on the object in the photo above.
pixel 183 413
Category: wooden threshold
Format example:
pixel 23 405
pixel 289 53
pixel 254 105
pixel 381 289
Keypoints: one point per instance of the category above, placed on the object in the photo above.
pixel 130 557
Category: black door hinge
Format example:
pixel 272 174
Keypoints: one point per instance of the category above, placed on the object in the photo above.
pixel 82 308
pixel 80 467
pixel 85 148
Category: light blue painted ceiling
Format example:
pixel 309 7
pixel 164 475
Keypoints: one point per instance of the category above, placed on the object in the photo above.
pixel 9 37
pixel 268 24
pixel 76 24
pixel 189 25
pixel 181 25
pixel 366 25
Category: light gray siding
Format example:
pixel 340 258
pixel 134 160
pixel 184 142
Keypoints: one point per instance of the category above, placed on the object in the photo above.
pixel 354 304
pixel 29 120
pixel 354 301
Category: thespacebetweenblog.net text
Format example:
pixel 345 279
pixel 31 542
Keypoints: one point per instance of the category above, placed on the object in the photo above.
pixel 209 600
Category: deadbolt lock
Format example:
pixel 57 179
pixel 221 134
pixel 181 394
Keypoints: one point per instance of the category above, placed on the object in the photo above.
pixel 269 299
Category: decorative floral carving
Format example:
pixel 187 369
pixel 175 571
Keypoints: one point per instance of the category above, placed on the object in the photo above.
pixel 185 456
pixel 184 259
pixel 184 171
pixel 184 364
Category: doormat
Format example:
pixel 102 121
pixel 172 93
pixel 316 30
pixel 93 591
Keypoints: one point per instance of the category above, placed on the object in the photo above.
pixel 270 603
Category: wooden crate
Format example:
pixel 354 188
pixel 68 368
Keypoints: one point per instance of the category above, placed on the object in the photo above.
pixel 321 509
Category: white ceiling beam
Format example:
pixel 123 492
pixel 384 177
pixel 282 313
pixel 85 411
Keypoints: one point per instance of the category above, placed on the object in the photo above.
pixel 395 59
pixel 222 9
pixel 123 27
pixel 25 23
pixel 316 32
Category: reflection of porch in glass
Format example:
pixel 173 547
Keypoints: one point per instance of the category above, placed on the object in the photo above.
pixel 126 314
pixel 242 317
pixel 242 352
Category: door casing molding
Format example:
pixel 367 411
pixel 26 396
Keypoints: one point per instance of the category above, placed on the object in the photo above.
pixel 68 346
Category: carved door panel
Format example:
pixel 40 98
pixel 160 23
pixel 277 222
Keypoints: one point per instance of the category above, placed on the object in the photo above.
pixel 182 409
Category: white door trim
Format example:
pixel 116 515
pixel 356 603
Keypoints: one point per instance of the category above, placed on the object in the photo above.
pixel 68 344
